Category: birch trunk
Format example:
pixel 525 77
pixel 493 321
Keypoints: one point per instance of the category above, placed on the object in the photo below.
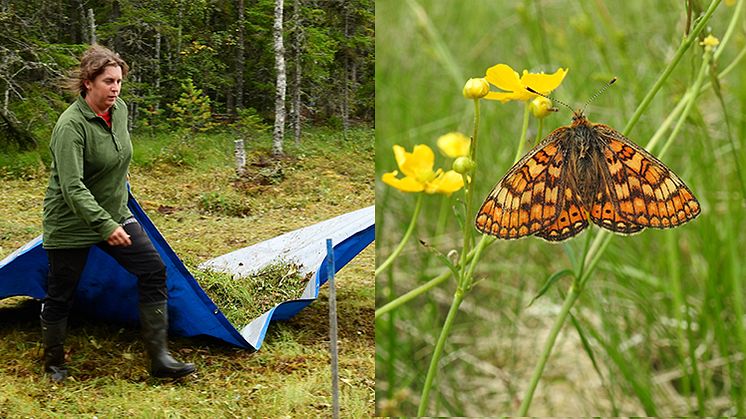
pixel 279 130
pixel 92 26
pixel 296 83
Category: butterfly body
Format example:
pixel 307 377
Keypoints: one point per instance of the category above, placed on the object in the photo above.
pixel 580 173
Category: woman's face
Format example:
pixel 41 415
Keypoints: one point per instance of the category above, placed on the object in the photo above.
pixel 104 90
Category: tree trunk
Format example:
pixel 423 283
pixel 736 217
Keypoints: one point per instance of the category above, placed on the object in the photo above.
pixel 81 32
pixel 91 26
pixel 279 130
pixel 296 82
pixel 116 13
pixel 346 81
pixel 240 58
pixel 178 32
pixel 132 114
pixel 157 67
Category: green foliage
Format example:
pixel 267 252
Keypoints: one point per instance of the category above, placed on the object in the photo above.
pixel 22 165
pixel 230 204
pixel 192 110
pixel 250 124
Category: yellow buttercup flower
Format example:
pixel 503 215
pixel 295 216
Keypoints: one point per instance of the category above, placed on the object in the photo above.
pixel 454 144
pixel 419 175
pixel 514 87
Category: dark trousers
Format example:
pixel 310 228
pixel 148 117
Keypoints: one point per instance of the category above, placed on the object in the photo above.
pixel 66 265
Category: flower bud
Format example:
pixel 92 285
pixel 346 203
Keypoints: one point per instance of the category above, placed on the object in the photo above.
pixel 541 107
pixel 463 165
pixel 476 88
pixel 710 42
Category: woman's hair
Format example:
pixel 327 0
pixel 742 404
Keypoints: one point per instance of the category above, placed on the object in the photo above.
pixel 93 62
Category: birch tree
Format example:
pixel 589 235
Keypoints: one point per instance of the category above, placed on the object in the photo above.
pixel 279 49
pixel 297 49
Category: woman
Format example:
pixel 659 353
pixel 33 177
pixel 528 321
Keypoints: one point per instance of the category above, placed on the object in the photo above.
pixel 86 205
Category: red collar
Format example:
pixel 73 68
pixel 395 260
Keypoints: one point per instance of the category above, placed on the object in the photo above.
pixel 107 117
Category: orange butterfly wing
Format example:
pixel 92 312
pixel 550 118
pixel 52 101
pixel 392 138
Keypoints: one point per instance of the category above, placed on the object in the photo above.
pixel 645 192
pixel 572 219
pixel 528 198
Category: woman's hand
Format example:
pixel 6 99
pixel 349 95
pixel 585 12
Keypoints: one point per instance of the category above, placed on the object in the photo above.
pixel 119 238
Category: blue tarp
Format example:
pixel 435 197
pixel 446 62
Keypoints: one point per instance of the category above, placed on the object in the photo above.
pixel 107 292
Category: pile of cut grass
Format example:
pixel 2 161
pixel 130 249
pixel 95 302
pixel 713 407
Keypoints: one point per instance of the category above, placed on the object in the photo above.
pixel 242 299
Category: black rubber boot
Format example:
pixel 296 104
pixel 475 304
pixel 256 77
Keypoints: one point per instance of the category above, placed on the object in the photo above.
pixel 53 339
pixel 154 321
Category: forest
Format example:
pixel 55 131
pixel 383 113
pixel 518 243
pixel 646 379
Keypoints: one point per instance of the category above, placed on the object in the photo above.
pixel 199 65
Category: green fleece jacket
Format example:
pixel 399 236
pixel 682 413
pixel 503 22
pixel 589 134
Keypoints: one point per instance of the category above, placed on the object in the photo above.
pixel 87 195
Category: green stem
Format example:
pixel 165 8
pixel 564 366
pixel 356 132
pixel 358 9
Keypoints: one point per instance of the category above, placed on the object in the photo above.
pixel 411 295
pixel 731 27
pixel 539 131
pixel 458 297
pixel 524 129
pixel 464 280
pixel 468 183
pixel 483 243
pixel 410 229
pixel 668 121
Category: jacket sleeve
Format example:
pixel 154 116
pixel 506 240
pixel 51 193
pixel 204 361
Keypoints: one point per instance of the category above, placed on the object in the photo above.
pixel 68 154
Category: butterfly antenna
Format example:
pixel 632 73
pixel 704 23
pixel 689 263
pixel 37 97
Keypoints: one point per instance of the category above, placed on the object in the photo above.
pixel 601 90
pixel 551 98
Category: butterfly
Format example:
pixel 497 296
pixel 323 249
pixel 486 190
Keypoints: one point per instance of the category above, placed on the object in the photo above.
pixel 580 173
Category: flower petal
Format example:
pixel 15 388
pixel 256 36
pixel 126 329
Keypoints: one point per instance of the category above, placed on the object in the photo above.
pixel 503 96
pixel 445 183
pixel 543 83
pixel 419 163
pixel 454 144
pixel 406 184
pixel 504 78
pixel 400 155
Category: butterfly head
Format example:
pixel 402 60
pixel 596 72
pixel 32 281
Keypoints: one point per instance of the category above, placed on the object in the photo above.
pixel 578 118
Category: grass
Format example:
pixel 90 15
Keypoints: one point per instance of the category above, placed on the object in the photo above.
pixel 290 375
pixel 652 332
pixel 244 299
